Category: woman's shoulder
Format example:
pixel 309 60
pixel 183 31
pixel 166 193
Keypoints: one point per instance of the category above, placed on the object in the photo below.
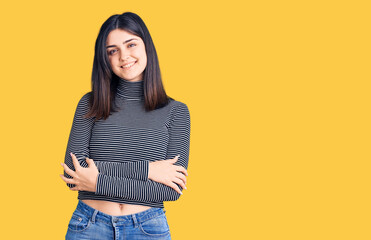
pixel 178 108
pixel 176 103
pixel 83 103
pixel 86 96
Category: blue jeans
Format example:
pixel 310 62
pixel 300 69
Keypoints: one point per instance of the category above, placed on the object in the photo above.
pixel 89 223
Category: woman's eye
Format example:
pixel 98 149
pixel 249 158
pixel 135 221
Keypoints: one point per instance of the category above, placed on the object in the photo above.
pixel 110 52
pixel 132 44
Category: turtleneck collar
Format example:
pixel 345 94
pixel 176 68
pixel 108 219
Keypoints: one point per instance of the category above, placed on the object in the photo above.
pixel 130 90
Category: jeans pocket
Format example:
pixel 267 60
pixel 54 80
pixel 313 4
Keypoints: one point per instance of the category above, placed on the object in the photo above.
pixel 79 222
pixel 156 226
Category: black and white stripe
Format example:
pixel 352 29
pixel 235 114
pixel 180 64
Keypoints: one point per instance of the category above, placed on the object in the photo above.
pixel 122 150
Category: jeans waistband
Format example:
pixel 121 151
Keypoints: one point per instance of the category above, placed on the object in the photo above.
pixel 131 219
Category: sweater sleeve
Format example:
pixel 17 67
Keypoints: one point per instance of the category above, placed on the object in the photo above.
pixel 151 191
pixel 78 144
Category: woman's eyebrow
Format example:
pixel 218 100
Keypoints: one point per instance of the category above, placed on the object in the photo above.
pixel 123 42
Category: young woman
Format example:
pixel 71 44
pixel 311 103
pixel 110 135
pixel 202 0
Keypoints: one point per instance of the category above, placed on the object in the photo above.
pixel 128 147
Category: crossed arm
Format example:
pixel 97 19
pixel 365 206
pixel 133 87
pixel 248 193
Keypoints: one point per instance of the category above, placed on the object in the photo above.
pixel 130 180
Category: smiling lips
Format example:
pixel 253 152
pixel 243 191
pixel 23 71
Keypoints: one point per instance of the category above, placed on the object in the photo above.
pixel 129 65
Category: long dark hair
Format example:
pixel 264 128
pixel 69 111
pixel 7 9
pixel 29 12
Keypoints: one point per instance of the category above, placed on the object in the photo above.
pixel 104 81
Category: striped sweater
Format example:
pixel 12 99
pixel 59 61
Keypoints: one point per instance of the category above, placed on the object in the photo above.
pixel 123 145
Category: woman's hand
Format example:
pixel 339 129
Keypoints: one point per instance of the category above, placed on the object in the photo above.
pixel 85 179
pixel 164 171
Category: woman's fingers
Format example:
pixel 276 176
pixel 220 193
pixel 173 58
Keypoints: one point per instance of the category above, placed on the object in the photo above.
pixel 180 182
pixel 175 187
pixel 173 160
pixel 74 189
pixel 76 163
pixel 67 180
pixel 68 170
pixel 182 177
pixel 71 181
pixel 181 169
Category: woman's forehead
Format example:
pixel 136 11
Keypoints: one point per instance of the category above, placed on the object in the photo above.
pixel 121 35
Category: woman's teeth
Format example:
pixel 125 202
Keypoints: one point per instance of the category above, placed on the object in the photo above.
pixel 128 65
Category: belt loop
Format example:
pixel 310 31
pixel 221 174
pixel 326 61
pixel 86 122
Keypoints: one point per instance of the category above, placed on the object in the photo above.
pixel 135 220
pixel 94 214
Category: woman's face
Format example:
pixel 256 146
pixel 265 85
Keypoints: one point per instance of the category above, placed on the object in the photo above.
pixel 127 55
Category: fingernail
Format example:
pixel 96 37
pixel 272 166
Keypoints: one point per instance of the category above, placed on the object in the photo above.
pixel 185 187
pixel 181 193
pixel 71 154
pixel 62 164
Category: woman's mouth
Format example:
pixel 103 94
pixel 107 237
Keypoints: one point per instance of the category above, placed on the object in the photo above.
pixel 128 66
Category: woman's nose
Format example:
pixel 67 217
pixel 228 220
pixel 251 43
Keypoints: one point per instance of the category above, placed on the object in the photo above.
pixel 124 56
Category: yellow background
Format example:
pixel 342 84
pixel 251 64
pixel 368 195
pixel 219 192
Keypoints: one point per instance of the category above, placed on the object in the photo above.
pixel 279 96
